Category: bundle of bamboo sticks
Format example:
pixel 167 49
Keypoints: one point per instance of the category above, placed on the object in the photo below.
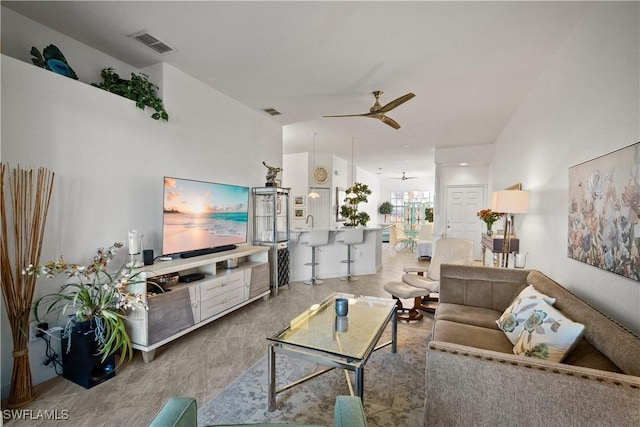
pixel 27 213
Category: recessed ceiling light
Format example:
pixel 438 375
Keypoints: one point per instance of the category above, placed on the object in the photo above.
pixel 463 164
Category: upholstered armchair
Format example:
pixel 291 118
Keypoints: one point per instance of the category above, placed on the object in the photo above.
pixel 183 412
pixel 424 245
pixel 427 280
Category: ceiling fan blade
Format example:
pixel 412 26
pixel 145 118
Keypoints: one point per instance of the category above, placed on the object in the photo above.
pixel 351 115
pixel 389 121
pixel 396 103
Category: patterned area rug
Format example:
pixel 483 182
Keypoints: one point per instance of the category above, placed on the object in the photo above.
pixel 393 394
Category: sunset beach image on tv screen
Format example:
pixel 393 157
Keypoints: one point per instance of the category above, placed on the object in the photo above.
pixel 200 215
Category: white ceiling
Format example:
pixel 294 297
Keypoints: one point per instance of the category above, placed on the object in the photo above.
pixel 470 64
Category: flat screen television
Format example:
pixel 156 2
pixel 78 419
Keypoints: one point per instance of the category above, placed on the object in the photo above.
pixel 203 217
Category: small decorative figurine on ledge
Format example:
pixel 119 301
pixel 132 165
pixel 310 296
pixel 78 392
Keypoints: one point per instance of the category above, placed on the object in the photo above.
pixel 271 175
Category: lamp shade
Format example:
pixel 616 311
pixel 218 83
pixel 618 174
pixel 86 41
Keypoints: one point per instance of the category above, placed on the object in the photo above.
pixel 510 201
pixel 313 195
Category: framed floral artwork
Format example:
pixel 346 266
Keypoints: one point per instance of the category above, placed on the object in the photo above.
pixel 298 212
pixel 298 201
pixel 604 212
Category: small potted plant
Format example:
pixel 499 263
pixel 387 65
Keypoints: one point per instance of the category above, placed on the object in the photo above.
pixel 428 214
pixel 139 89
pixel 489 217
pixel 92 298
pixel 356 194
pixel 385 209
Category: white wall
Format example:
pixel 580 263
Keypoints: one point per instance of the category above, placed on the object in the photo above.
pixel 585 104
pixel 20 34
pixel 294 168
pixel 110 157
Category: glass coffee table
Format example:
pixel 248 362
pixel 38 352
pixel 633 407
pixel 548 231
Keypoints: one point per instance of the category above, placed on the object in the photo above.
pixel 343 342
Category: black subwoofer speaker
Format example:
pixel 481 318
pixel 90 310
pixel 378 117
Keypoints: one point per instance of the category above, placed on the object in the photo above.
pixel 81 364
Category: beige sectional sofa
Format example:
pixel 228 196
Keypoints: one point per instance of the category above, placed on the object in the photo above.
pixel 473 377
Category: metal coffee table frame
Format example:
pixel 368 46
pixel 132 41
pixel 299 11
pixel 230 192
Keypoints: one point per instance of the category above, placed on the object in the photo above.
pixel 310 337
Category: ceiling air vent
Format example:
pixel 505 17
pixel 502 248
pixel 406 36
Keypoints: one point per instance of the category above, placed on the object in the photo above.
pixel 152 42
pixel 271 111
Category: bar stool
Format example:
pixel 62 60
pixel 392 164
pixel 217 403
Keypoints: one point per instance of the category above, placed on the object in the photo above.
pixel 313 238
pixel 349 237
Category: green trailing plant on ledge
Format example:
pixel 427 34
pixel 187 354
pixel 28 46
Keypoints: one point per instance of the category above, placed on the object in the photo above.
pixel 349 210
pixel 139 89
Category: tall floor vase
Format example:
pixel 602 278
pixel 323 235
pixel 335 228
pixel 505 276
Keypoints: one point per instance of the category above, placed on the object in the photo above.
pixel 25 208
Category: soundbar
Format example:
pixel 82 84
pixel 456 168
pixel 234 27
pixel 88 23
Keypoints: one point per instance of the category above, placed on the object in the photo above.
pixel 207 251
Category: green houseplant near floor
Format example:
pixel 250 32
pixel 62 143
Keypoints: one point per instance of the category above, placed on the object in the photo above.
pixel 95 296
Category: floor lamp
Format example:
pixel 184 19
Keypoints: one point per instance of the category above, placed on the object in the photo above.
pixel 509 202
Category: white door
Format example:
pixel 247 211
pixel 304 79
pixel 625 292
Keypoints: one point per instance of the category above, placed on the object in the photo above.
pixel 461 218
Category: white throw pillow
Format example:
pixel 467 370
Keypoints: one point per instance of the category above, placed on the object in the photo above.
pixel 548 334
pixel 512 320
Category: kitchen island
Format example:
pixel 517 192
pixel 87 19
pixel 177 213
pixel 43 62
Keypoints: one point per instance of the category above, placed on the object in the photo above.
pixel 367 256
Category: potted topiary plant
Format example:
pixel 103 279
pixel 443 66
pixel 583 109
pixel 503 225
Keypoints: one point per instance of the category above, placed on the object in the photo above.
pixel 94 299
pixel 385 209
pixel 356 194
pixel 428 214
pixel 138 89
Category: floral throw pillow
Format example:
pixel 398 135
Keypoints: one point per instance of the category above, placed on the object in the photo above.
pixel 512 320
pixel 548 334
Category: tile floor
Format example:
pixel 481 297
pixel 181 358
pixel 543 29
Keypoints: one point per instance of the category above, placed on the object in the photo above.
pixel 200 364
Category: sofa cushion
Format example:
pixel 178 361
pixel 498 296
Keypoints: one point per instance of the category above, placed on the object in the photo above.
pixel 484 317
pixel 587 356
pixel 610 338
pixel 485 287
pixel 471 335
pixel 512 320
pixel 548 334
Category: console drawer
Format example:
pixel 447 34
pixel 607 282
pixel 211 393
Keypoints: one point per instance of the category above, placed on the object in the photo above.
pixel 221 302
pixel 220 285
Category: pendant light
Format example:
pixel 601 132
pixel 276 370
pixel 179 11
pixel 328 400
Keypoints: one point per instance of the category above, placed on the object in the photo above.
pixel 312 194
pixel 352 195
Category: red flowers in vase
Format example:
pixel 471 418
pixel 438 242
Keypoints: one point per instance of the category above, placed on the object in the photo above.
pixel 489 217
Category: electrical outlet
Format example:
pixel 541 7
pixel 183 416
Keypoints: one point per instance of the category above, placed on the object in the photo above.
pixel 36 330
pixel 33 330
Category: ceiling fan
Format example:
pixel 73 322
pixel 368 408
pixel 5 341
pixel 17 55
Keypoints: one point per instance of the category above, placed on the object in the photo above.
pixel 404 177
pixel 377 111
